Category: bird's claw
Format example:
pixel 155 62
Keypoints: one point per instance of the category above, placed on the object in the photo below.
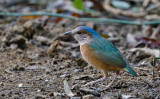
pixel 93 82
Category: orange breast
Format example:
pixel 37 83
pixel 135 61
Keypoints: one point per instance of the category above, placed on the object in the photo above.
pixel 91 58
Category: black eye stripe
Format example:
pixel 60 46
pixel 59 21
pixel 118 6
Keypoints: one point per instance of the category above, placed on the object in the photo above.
pixel 79 32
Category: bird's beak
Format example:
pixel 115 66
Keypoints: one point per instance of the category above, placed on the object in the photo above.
pixel 68 33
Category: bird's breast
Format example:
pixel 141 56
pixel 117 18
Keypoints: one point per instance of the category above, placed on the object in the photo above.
pixel 93 59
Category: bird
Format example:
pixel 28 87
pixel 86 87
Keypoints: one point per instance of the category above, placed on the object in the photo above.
pixel 100 53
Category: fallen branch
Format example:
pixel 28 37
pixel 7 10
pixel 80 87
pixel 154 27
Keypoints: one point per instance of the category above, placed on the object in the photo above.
pixel 82 19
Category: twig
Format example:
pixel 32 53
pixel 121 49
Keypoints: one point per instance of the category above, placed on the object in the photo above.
pixel 154 63
pixel 81 19
pixel 146 3
pixel 37 13
pixel 156 32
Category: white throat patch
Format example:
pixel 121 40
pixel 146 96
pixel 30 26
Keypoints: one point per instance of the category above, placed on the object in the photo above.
pixel 83 39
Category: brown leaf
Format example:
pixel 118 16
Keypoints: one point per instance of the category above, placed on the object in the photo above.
pixel 30 17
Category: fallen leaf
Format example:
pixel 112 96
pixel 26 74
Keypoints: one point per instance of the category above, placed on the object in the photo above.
pixel 126 96
pixel 78 4
pixel 155 52
pixel 131 40
pixel 58 20
pixel 30 17
pixel 67 90
pixel 75 15
pixel 53 47
pixel 120 4
pixel 153 43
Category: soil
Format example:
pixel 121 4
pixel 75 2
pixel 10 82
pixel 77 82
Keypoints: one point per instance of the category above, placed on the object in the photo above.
pixel 38 69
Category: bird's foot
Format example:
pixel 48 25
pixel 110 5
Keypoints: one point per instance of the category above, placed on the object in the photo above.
pixel 109 85
pixel 93 82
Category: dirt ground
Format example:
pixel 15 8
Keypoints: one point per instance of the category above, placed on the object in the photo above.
pixel 34 66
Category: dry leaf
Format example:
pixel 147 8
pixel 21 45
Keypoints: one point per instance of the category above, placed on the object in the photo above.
pixel 155 52
pixel 126 96
pixel 67 90
pixel 131 40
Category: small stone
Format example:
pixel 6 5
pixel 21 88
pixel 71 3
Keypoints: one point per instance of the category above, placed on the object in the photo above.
pixel 76 98
pixel 77 70
pixel 62 66
pixel 13 46
pixel 38 90
pixel 74 54
pixel 99 89
pixel 37 56
pixel 4 39
pixel 20 85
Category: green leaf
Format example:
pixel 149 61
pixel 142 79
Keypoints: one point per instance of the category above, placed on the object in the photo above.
pixel 135 9
pixel 120 4
pixel 78 4
pixel 157 57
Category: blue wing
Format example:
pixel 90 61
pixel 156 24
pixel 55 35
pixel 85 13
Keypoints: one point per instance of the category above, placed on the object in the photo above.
pixel 108 53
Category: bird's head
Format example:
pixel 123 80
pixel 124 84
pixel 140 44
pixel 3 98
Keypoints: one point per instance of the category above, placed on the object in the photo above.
pixel 83 34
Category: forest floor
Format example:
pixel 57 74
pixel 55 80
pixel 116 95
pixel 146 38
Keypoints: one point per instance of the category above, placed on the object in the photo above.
pixel 36 57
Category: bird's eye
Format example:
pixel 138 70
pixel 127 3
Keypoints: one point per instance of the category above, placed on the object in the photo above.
pixel 79 32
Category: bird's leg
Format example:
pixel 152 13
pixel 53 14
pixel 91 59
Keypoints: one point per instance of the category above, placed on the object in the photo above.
pixel 93 82
pixel 108 86
pixel 98 80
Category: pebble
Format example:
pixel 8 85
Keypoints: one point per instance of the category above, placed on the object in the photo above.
pixel 77 70
pixel 13 46
pixel 74 54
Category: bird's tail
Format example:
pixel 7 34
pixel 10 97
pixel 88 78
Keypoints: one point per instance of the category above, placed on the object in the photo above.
pixel 129 69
